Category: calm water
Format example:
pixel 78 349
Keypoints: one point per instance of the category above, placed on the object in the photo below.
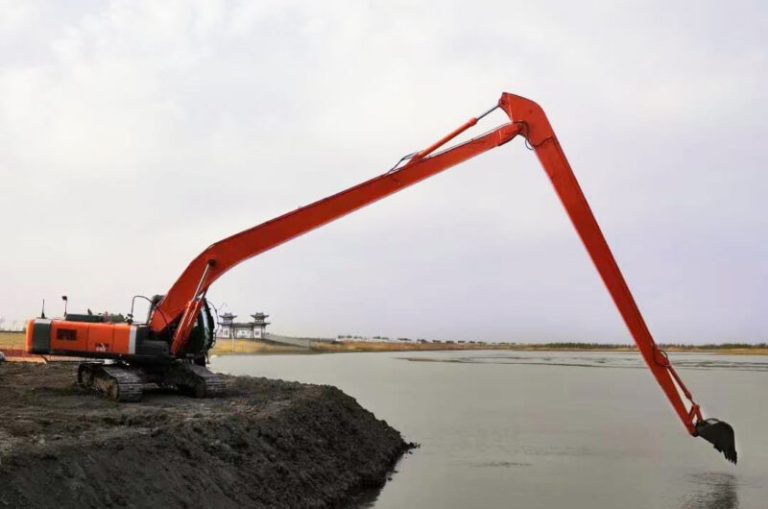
pixel 549 430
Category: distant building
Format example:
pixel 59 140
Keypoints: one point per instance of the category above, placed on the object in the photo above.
pixel 230 329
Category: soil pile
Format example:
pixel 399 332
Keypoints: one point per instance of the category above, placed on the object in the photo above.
pixel 266 443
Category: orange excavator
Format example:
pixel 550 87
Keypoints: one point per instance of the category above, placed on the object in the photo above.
pixel 170 348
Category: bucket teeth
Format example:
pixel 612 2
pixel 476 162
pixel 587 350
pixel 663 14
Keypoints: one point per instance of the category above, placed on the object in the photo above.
pixel 720 434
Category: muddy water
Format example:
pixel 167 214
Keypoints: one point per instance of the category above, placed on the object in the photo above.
pixel 549 430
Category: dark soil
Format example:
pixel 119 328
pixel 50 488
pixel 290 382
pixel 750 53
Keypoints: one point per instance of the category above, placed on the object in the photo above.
pixel 267 443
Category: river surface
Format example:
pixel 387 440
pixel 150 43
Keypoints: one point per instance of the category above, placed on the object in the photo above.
pixel 549 430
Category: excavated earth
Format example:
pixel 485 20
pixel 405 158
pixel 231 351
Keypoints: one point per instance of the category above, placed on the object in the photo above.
pixel 266 443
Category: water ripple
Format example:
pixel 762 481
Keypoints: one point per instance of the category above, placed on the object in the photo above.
pixel 625 362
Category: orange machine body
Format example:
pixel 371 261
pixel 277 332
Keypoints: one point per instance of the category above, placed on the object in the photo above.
pixel 63 337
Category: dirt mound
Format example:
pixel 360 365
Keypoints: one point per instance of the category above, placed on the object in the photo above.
pixel 266 443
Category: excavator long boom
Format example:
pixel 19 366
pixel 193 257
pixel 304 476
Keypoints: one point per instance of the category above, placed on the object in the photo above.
pixel 182 303
pixel 220 257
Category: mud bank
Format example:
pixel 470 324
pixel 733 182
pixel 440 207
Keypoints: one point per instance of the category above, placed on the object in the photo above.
pixel 266 444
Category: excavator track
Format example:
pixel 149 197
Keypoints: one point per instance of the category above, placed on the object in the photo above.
pixel 125 383
pixel 118 383
pixel 214 384
pixel 197 381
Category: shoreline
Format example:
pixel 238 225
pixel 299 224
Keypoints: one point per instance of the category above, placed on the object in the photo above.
pixel 12 344
pixel 249 347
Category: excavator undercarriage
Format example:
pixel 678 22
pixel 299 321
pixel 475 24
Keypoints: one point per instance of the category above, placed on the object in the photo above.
pixel 124 382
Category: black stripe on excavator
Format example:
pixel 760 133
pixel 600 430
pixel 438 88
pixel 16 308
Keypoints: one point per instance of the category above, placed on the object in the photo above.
pixel 146 345
pixel 41 336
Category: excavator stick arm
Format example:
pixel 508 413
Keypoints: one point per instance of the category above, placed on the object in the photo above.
pixel 542 138
pixel 538 131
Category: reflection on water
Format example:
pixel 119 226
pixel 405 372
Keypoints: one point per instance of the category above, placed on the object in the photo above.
pixel 595 360
pixel 714 490
pixel 503 464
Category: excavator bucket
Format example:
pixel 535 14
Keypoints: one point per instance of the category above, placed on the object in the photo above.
pixel 720 434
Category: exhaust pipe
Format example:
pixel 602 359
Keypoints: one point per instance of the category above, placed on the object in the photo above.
pixel 720 434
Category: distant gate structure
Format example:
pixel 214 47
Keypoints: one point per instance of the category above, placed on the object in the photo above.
pixel 230 329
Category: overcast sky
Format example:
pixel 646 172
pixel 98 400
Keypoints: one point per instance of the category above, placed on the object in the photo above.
pixel 134 134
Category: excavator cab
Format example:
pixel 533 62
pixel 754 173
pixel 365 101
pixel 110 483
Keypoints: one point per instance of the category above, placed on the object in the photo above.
pixel 203 335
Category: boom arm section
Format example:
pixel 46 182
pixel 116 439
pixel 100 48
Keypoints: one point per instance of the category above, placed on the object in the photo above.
pixel 223 255
pixel 182 303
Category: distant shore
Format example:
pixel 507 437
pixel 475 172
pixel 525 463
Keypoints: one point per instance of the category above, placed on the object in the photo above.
pixel 251 347
pixel 14 341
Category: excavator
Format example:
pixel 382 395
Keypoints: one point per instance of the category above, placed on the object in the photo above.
pixel 170 348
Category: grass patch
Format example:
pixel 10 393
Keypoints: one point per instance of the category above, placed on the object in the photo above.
pixel 12 340
pixel 249 347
